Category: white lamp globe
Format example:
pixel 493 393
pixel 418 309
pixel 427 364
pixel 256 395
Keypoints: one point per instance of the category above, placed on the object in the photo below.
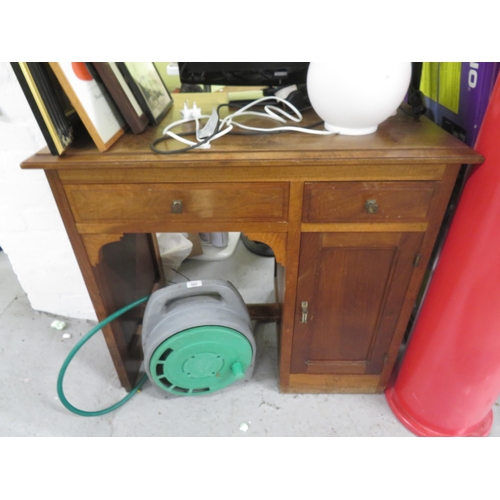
pixel 354 98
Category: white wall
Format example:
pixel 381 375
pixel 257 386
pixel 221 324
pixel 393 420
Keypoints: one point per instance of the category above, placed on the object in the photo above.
pixel 31 230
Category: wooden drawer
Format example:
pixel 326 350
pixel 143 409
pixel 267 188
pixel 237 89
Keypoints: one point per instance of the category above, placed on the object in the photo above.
pixel 364 201
pixel 179 202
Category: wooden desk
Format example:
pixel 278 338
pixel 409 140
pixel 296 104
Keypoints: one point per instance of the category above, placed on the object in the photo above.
pixel 352 222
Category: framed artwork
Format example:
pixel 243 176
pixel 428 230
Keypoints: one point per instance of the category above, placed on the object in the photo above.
pixel 92 103
pixel 53 112
pixel 148 88
pixel 121 93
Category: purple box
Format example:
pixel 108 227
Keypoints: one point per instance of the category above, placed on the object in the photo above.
pixel 457 95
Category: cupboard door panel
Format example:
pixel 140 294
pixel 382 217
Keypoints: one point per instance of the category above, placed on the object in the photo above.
pixel 354 285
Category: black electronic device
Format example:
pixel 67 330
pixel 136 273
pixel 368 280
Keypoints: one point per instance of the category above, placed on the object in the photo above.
pixel 270 74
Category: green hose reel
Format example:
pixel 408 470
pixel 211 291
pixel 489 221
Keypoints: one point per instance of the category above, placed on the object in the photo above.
pixel 197 338
pixel 200 360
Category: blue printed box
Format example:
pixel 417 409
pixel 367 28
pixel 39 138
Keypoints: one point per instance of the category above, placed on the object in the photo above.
pixel 457 95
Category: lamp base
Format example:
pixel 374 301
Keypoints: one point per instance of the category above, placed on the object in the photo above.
pixel 351 131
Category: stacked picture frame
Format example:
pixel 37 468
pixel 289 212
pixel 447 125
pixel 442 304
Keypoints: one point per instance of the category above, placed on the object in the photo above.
pixel 105 98
pixel 53 112
pixel 148 88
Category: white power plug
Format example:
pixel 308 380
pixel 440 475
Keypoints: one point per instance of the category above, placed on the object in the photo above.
pixel 188 113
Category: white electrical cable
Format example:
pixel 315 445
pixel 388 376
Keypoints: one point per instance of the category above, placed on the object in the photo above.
pixel 227 124
pixel 286 129
pixel 270 113
pixel 180 122
pixel 222 132
pixel 167 129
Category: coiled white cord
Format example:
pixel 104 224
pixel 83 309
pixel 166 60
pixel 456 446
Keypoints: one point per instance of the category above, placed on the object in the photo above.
pixel 226 124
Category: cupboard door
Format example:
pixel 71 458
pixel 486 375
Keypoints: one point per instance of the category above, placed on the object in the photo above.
pixel 350 292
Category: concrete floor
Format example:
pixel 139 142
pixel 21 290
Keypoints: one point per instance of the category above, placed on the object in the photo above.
pixel 32 353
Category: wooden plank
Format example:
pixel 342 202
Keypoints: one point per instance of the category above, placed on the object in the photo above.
pixel 151 226
pixel 252 172
pixel 291 270
pixel 264 312
pixel 333 384
pixel 367 227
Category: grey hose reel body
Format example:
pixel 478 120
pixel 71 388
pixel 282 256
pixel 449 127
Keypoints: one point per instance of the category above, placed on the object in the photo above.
pixel 197 337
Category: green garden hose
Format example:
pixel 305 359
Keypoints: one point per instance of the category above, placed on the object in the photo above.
pixel 78 346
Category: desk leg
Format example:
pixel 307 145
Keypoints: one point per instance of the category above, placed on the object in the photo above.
pixel 125 269
pixel 118 269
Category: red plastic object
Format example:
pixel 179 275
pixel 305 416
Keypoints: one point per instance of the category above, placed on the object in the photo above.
pixel 449 378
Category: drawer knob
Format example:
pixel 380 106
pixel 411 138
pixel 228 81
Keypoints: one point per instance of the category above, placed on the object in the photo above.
pixel 371 206
pixel 177 206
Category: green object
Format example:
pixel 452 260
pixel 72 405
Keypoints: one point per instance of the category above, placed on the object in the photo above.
pixel 200 360
pixel 248 95
pixel 237 370
pixel 441 83
pixel 78 346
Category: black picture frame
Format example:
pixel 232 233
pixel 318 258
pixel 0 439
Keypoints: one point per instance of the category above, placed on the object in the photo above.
pixel 120 91
pixel 56 117
pixel 148 88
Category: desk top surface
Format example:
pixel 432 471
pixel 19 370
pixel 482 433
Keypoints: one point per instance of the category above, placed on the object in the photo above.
pixel 399 138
